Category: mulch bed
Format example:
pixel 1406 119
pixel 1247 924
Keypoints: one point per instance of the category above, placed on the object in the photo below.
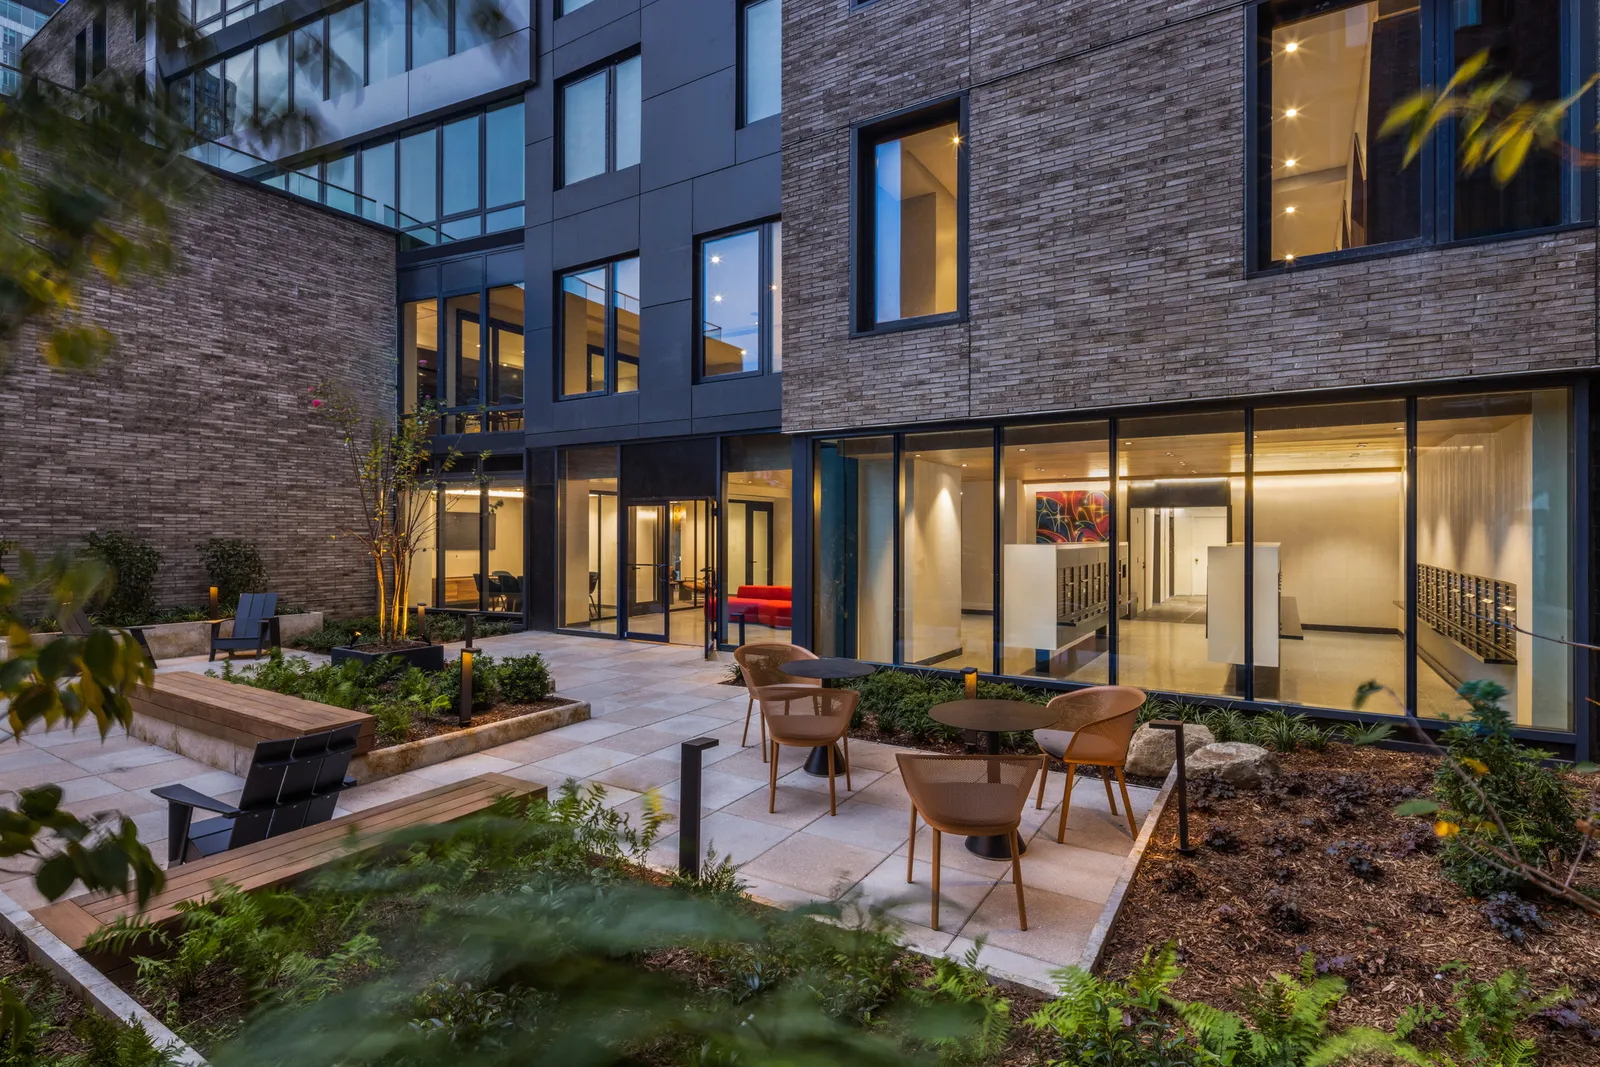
pixel 1271 891
pixel 448 723
pixel 63 1011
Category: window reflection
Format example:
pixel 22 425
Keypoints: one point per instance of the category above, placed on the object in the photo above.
pixel 583 128
pixel 420 366
pixel 856 521
pixel 507 360
pixel 386 26
pixel 460 536
pixel 463 343
pixel 461 166
pixel 430 34
pixel 346 50
pixel 419 171
pixel 758 494
pixel 626 298
pixel 583 332
pixel 763 59
pixel 731 304
pixel 589 565
pixel 947 580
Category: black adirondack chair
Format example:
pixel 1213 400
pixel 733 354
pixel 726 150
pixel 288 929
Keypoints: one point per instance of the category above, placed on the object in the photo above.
pixel 291 783
pixel 255 626
pixel 77 624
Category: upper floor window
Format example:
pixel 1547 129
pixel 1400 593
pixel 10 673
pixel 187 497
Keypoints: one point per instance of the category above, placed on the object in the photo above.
pixel 469 361
pixel 741 302
pixel 567 7
pixel 761 59
pixel 1327 182
pixel 600 329
pixel 600 121
pixel 89 52
pixel 911 206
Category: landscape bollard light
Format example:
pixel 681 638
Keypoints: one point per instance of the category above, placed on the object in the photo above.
pixel 689 805
pixel 1176 726
pixel 422 622
pixel 969 678
pixel 214 602
pixel 466 686
pixel 466 631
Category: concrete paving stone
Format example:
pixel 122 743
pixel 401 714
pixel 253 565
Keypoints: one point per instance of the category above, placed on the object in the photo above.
pixel 464 767
pixel 644 740
pixel 1005 963
pixel 874 756
pixel 640 774
pixel 888 791
pixel 56 771
pixel 768 891
pixel 635 713
pixel 126 760
pixel 816 865
pixel 90 746
pixel 868 825
pixel 689 725
pixel 634 809
pixel 590 730
pixel 212 783
pixel 385 790
pixel 604 688
pixel 86 788
pixel 791 762
pixel 1075 872
pixel 717 790
pixel 65 736
pixel 533 749
pixel 173 769
pixel 932 942
pixel 790 817
pixel 736 837
pixel 745 762
pixel 22 891
pixel 960 893
pixel 23 756
pixel 1058 925
pixel 126 802
pixel 584 762
pixel 955 852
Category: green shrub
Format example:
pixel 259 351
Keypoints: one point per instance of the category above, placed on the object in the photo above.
pixel 899 701
pixel 234 566
pixel 485 682
pixel 134 563
pixel 525 679
pixel 1534 802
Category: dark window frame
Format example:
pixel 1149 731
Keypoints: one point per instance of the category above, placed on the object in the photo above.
pixel 609 388
pixel 765 229
pixel 1436 163
pixel 864 137
pixel 609 68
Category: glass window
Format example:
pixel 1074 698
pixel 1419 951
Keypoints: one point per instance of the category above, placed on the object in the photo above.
pixel 1334 182
pixel 206 10
pixel 502 544
pixel 914 250
pixel 947 605
pixel 463 343
pixel 775 258
pixel 763 59
pixel 588 510
pixel 855 549
pixel 583 332
pixel 425 564
pixel 308 64
pixel 386 39
pixel 339 177
pixel 1523 40
pixel 239 72
pixel 461 166
pixel 629 96
pixel 567 7
pixel 272 76
pixel 583 128
pixel 209 105
pixel 626 298
pixel 377 183
pixel 1329 498
pixel 461 534
pixel 419 173
pixel 347 50
pixel 758 493
pixel 420 337
pixel 507 362
pixel 430 32
pixel 731 301
pixel 1055 552
pixel 504 136
pixel 1180 597
pixel 475 20
pixel 1493 521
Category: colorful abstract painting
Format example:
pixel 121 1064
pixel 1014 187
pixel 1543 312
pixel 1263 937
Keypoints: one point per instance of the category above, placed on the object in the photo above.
pixel 1073 515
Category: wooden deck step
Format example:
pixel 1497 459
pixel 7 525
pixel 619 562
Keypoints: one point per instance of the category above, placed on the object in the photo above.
pixel 243 714
pixel 282 859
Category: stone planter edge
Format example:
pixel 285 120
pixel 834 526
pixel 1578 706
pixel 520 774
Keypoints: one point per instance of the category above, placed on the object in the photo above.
pixel 383 763
pixel 169 640
pixel 85 981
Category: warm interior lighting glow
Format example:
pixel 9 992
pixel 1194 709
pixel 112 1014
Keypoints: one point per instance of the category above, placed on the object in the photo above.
pixel 1292 46
pixel 956 139
pixel 1290 162
pixel 1291 112
pixel 1289 210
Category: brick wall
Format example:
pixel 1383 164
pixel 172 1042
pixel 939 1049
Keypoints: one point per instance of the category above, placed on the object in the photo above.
pixel 198 426
pixel 50 53
pixel 1106 250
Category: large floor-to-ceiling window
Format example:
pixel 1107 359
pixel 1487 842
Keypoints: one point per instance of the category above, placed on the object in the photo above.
pixel 472 538
pixel 758 510
pixel 587 560
pixel 1281 553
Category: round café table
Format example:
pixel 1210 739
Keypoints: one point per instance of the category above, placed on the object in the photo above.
pixel 992 718
pixel 828 670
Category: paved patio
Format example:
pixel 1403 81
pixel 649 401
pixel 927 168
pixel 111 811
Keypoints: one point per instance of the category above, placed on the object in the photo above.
pixel 646 699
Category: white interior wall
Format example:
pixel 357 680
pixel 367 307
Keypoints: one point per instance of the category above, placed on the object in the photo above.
pixel 1342 551
pixel 580 543
pixel 977 546
pixel 874 605
pixel 932 560
pixel 780 497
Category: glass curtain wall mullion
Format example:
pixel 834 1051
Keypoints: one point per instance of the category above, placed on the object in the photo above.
pixel 996 507
pixel 899 549
pixel 1409 696
pixel 1113 554
pixel 1249 555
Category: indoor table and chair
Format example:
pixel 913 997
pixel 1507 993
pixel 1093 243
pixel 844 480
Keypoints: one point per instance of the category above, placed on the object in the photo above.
pixel 798 702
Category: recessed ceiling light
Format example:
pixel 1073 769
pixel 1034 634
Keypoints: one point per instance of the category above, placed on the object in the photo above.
pixel 1292 46
pixel 1290 162
pixel 1291 112
pixel 1289 210
pixel 717 298
pixel 716 259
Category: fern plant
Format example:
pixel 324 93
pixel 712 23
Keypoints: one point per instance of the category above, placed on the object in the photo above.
pixel 986 1015
pixel 1133 1023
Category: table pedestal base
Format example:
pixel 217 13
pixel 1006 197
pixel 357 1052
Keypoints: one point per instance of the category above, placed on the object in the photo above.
pixel 992 847
pixel 817 762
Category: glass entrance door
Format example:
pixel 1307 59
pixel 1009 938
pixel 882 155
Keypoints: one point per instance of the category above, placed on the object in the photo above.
pixel 671 572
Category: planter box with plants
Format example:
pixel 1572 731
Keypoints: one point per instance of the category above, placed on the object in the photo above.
pixel 425 657
pixel 169 640
pixel 418 711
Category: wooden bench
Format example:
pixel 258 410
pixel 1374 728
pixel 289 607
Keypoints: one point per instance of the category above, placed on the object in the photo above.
pixel 282 859
pixel 220 723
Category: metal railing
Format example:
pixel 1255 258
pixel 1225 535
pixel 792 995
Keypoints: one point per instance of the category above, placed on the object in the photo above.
pixel 1475 612
pixel 1084 592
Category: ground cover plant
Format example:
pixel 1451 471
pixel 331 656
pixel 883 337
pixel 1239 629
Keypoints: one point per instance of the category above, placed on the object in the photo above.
pixel 407 702
pixel 339 633
pixel 44 1026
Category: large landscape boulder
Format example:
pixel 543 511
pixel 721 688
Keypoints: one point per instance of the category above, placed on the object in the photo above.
pixel 1235 762
pixel 1152 751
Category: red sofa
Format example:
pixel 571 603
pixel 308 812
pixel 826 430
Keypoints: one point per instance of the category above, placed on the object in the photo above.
pixel 769 605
